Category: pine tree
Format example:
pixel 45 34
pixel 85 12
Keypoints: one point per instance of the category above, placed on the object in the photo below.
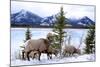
pixel 90 41
pixel 28 34
pixel 59 29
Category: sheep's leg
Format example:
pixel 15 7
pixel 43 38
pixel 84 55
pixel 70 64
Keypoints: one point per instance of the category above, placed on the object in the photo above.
pixel 71 54
pixel 23 58
pixel 51 56
pixel 48 55
pixel 34 56
pixel 55 54
pixel 64 54
pixel 27 55
pixel 68 54
pixel 39 55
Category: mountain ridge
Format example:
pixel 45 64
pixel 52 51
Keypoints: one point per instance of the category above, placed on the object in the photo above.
pixel 24 18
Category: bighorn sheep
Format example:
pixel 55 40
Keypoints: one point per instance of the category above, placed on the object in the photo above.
pixel 70 50
pixel 41 45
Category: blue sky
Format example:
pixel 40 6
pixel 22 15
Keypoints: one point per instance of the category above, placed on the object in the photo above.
pixel 45 9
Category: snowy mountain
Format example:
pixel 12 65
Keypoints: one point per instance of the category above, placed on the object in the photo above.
pixel 50 20
pixel 85 21
pixel 81 22
pixel 25 18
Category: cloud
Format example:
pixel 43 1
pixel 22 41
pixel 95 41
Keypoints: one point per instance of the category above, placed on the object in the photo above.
pixel 47 9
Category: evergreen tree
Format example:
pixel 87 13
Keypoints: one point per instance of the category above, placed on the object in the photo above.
pixel 59 29
pixel 28 34
pixel 90 41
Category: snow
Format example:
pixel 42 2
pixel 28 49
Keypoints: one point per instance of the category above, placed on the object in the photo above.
pixel 82 23
pixel 17 41
pixel 44 24
pixel 44 60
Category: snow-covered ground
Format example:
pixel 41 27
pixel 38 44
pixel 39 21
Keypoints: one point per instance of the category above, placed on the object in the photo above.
pixel 44 60
pixel 18 37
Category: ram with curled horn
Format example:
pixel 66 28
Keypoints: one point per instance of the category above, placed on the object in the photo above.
pixel 41 45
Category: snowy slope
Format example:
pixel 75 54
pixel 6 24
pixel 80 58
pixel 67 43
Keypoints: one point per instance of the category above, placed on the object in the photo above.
pixel 25 17
pixel 44 60
pixel 37 33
